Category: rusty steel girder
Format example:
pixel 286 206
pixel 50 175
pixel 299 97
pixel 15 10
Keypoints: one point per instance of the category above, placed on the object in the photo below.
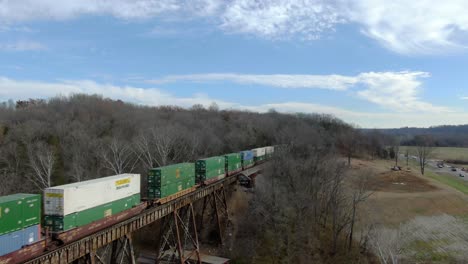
pixel 90 244
pixel 83 247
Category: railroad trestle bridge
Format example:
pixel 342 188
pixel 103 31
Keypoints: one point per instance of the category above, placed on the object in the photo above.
pixel 178 240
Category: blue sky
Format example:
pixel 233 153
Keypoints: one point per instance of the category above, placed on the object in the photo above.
pixel 373 63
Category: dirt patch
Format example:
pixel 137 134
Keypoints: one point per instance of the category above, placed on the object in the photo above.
pixel 401 182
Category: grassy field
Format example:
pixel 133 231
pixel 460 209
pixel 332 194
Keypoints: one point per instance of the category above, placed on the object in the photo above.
pixel 442 153
pixel 426 225
pixel 451 181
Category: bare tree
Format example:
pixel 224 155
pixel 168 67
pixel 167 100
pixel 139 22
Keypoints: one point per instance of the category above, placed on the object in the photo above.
pixel 360 192
pixel 10 165
pixel 387 244
pixel 78 169
pixel 165 145
pixel 41 162
pixel 407 156
pixel 424 149
pixel 118 156
pixel 348 142
pixel 396 149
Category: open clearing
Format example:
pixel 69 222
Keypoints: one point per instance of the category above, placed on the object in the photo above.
pixel 400 196
pixel 421 215
pixel 401 182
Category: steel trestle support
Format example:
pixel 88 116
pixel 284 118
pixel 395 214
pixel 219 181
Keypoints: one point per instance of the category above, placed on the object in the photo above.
pixel 219 211
pixel 179 243
pixel 120 251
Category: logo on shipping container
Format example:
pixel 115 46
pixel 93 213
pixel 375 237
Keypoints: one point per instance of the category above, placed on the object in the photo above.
pixel 54 195
pixel 107 212
pixel 124 183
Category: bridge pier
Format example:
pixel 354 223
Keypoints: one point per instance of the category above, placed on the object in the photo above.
pixel 219 211
pixel 180 239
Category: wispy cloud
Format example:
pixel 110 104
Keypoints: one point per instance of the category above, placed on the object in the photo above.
pixel 308 19
pixel 413 27
pixel 20 11
pixel 22 46
pixel 332 82
pixel 23 90
pixel 408 27
pixel 397 91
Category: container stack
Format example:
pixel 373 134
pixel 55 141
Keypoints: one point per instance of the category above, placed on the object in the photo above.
pixel 259 154
pixel 247 159
pixel 233 163
pixel 269 151
pixel 78 204
pixel 210 169
pixel 169 180
pixel 20 217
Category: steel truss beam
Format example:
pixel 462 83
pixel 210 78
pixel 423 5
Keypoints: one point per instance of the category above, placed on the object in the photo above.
pixel 179 243
pixel 120 251
pixel 85 248
pixel 219 211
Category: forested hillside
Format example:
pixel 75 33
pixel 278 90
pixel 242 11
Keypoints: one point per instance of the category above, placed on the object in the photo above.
pixel 303 209
pixel 63 140
pixel 444 136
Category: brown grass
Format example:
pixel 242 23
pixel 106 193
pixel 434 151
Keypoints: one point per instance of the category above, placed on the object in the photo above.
pixel 393 204
pixel 400 182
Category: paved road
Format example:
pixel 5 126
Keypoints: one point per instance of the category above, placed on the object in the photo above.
pixel 447 169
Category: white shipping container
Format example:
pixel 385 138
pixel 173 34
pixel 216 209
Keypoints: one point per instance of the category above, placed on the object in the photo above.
pixel 269 149
pixel 76 197
pixel 258 152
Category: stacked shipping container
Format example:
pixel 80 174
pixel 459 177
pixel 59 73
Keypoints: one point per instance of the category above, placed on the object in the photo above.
pixel 259 154
pixel 20 215
pixel 77 204
pixel 169 180
pixel 210 169
pixel 247 159
pixel 269 151
pixel 233 163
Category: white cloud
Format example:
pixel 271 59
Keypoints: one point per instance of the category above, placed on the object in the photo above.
pixel 369 119
pixel 27 10
pixel 281 18
pixel 22 46
pixel 397 91
pixel 332 82
pixel 408 27
pixel 23 90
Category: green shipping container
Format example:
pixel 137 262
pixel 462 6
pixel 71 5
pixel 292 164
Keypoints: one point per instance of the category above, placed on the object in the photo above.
pixel 170 174
pixel 19 211
pixel 256 159
pixel 158 192
pixel 233 162
pixel 210 168
pixel 60 223
pixel 247 163
pixel 63 223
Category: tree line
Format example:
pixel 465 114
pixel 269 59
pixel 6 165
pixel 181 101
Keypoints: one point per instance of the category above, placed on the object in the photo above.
pixel 304 209
pixel 68 139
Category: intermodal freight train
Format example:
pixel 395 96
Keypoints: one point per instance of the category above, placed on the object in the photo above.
pixel 75 210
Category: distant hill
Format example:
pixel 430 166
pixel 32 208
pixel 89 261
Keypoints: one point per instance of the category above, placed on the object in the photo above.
pixel 445 136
